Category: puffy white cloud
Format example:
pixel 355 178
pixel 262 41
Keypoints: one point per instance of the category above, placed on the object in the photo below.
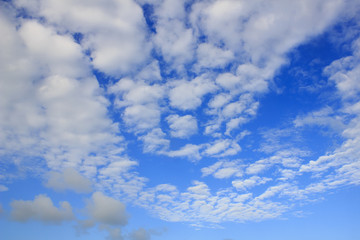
pixel 210 56
pixel 116 38
pixel 187 95
pixel 155 141
pixel 141 117
pixel 182 126
pixel 222 148
pixel 173 38
pixel 68 179
pixel 45 45
pixel 41 209
pixel 53 108
pixel 142 111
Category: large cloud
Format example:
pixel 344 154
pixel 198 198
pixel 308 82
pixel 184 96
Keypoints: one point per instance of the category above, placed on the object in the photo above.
pixel 114 32
pixel 41 209
pixel 202 68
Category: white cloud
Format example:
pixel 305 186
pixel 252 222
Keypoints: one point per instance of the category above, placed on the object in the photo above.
pixel 68 179
pixel 187 95
pixel 222 148
pixel 182 126
pixel 223 169
pixel 107 210
pixel 151 73
pixel 53 107
pixel 45 45
pixel 198 204
pixel 116 38
pixel 142 117
pixel 142 111
pixel 250 182
pixel 273 190
pixel 190 151
pixel 40 209
pixel 288 158
pixel 210 56
pixel 219 100
pixel 120 178
pixel 155 141
pixel 322 117
pixel 345 73
pixel 173 38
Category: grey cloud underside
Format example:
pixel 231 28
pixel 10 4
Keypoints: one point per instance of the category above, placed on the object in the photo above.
pixel 53 107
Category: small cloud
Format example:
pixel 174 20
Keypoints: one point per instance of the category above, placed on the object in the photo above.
pixel 223 169
pixel 140 234
pixel 3 188
pixel 189 150
pixel 182 126
pixel 41 209
pixel 250 182
pixel 69 179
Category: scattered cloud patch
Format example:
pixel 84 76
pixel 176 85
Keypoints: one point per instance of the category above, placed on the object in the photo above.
pixel 69 179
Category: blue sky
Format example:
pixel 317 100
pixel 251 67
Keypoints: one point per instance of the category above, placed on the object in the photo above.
pixel 175 119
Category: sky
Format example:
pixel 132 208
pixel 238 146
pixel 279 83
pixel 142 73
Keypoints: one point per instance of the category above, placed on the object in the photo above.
pixel 179 119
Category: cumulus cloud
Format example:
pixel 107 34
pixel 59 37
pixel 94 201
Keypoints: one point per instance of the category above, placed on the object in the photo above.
pixel 155 141
pixel 195 68
pixel 116 40
pixel 41 209
pixel 182 126
pixel 210 56
pixel 187 95
pixel 53 107
pixel 69 179
pixel 173 38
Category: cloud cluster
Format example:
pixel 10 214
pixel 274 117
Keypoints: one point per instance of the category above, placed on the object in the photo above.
pixel 81 82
